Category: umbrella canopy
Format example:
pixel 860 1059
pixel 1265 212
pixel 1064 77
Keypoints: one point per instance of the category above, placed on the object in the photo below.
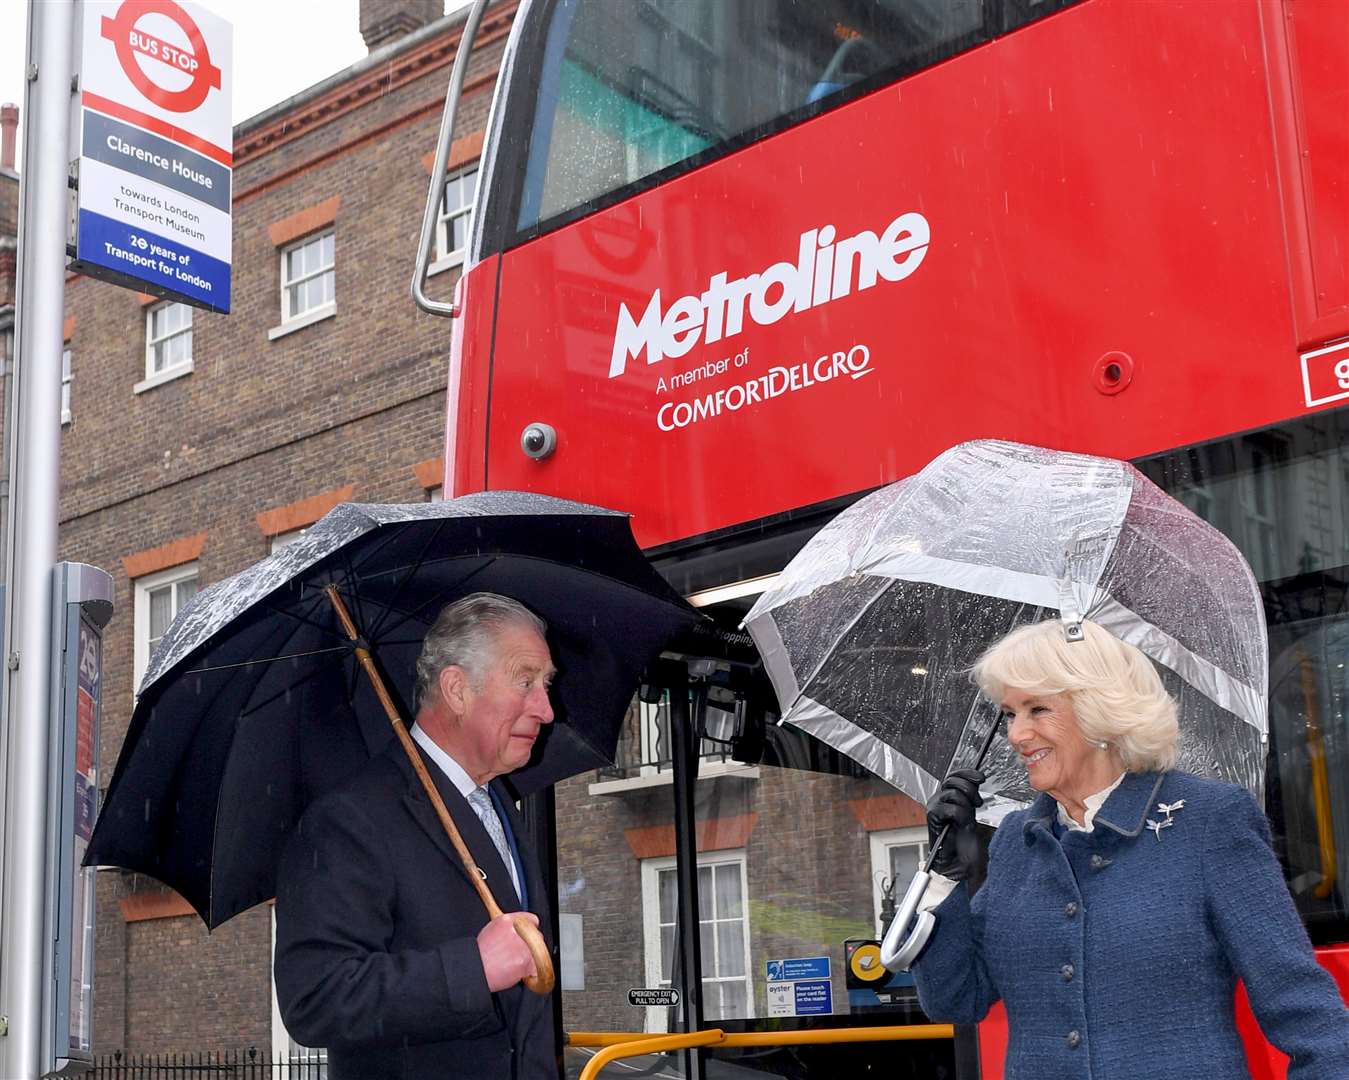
pixel 870 632
pixel 254 703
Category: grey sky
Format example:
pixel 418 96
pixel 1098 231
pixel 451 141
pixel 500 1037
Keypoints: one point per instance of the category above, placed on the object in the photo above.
pixel 280 47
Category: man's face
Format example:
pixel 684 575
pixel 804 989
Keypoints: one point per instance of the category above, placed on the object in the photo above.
pixel 503 715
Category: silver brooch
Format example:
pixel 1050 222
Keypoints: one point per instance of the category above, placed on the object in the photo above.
pixel 1168 809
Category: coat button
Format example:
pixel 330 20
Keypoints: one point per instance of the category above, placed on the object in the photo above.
pixel 1070 908
pixel 1067 972
pixel 1074 1040
pixel 1097 862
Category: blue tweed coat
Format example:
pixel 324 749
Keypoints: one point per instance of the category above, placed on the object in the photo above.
pixel 1117 951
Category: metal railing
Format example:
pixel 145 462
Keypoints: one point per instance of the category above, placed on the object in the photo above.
pixel 645 747
pixel 250 1064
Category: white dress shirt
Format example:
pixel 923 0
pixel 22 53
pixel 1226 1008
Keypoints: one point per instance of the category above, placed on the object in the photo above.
pixel 460 779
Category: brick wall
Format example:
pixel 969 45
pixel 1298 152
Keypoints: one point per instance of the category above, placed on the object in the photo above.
pixel 807 865
pixel 354 401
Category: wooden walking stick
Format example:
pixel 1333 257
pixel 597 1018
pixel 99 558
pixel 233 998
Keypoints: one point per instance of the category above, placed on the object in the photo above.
pixel 541 983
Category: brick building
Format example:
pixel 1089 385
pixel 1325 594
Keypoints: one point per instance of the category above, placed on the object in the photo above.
pixel 193 443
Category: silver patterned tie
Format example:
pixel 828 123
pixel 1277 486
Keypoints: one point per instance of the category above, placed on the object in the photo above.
pixel 487 814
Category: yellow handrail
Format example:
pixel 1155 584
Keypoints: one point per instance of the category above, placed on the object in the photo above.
pixel 625 1044
pixel 656 1044
pixel 1316 756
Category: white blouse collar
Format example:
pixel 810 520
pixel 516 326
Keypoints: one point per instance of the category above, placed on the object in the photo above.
pixel 1093 804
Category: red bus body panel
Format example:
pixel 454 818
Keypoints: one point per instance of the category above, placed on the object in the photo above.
pixel 1156 186
pixel 1105 182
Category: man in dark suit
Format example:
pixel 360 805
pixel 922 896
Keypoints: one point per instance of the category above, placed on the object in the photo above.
pixel 384 953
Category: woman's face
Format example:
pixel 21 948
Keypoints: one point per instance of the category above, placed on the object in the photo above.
pixel 1044 731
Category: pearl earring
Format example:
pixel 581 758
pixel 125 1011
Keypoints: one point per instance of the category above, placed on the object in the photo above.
pixel 1103 745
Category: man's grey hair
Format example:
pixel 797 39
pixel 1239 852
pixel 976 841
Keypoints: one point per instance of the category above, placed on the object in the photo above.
pixel 465 635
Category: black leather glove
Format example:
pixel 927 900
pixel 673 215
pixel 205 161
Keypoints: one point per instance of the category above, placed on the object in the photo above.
pixel 954 805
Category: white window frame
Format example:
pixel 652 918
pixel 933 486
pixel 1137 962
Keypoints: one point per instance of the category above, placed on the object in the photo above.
pixel 66 380
pixel 657 1016
pixel 882 841
pixel 435 494
pixel 155 378
pixel 292 321
pixel 143 587
pixel 280 540
pixel 308 1063
pixel 445 258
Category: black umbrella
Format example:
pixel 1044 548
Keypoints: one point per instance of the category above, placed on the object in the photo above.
pixel 255 703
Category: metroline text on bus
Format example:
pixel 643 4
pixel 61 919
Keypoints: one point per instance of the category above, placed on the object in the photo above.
pixel 824 271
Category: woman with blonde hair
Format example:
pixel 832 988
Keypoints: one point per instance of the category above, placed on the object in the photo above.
pixel 1123 905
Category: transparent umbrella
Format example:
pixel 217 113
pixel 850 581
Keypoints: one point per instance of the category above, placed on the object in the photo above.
pixel 869 634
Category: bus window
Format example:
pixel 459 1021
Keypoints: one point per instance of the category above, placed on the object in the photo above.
pixel 631 88
pixel 1282 496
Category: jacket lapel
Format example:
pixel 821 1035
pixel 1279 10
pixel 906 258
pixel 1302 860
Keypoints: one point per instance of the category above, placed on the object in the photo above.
pixel 534 883
pixel 475 837
pixel 1127 808
pixel 1123 814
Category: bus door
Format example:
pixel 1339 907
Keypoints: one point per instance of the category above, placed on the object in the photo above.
pixel 730 873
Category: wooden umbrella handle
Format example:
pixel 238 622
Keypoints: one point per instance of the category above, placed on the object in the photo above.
pixel 542 981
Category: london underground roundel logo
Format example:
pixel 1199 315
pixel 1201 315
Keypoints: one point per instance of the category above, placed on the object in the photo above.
pixel 131 43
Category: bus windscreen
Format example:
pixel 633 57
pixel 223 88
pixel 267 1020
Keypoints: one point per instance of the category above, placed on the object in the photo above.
pixel 632 88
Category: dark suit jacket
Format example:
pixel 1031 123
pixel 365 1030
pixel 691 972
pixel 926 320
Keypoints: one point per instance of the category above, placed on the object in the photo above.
pixel 376 937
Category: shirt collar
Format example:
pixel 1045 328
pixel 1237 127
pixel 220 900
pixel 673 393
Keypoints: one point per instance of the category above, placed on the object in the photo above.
pixel 1093 803
pixel 451 768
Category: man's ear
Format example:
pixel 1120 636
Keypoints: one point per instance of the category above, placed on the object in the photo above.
pixel 454 688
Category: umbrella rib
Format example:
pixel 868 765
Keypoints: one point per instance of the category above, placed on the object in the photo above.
pixel 352 592
pixel 310 677
pixel 315 602
pixel 414 613
pixel 805 685
pixel 265 660
pixel 406 578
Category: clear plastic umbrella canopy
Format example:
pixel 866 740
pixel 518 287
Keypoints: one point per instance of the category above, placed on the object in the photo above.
pixel 869 634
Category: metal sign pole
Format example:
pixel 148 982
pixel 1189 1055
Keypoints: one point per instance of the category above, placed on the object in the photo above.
pixel 32 453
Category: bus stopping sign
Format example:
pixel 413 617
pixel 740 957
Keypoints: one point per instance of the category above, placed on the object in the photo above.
pixel 156 149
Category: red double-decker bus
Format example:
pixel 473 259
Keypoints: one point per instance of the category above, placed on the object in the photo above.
pixel 735 264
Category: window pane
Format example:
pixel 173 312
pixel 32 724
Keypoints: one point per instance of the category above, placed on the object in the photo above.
pixel 329 286
pixel 186 591
pixel 645 84
pixel 460 226
pixel 732 1001
pixel 704 892
pixel 728 891
pixel 668 894
pixel 1280 496
pixel 294 263
pixel 161 611
pixel 730 948
pixel 667 937
pixel 326 250
pixel 903 865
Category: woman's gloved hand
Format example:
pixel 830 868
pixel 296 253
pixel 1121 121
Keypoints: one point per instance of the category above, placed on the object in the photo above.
pixel 954 805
